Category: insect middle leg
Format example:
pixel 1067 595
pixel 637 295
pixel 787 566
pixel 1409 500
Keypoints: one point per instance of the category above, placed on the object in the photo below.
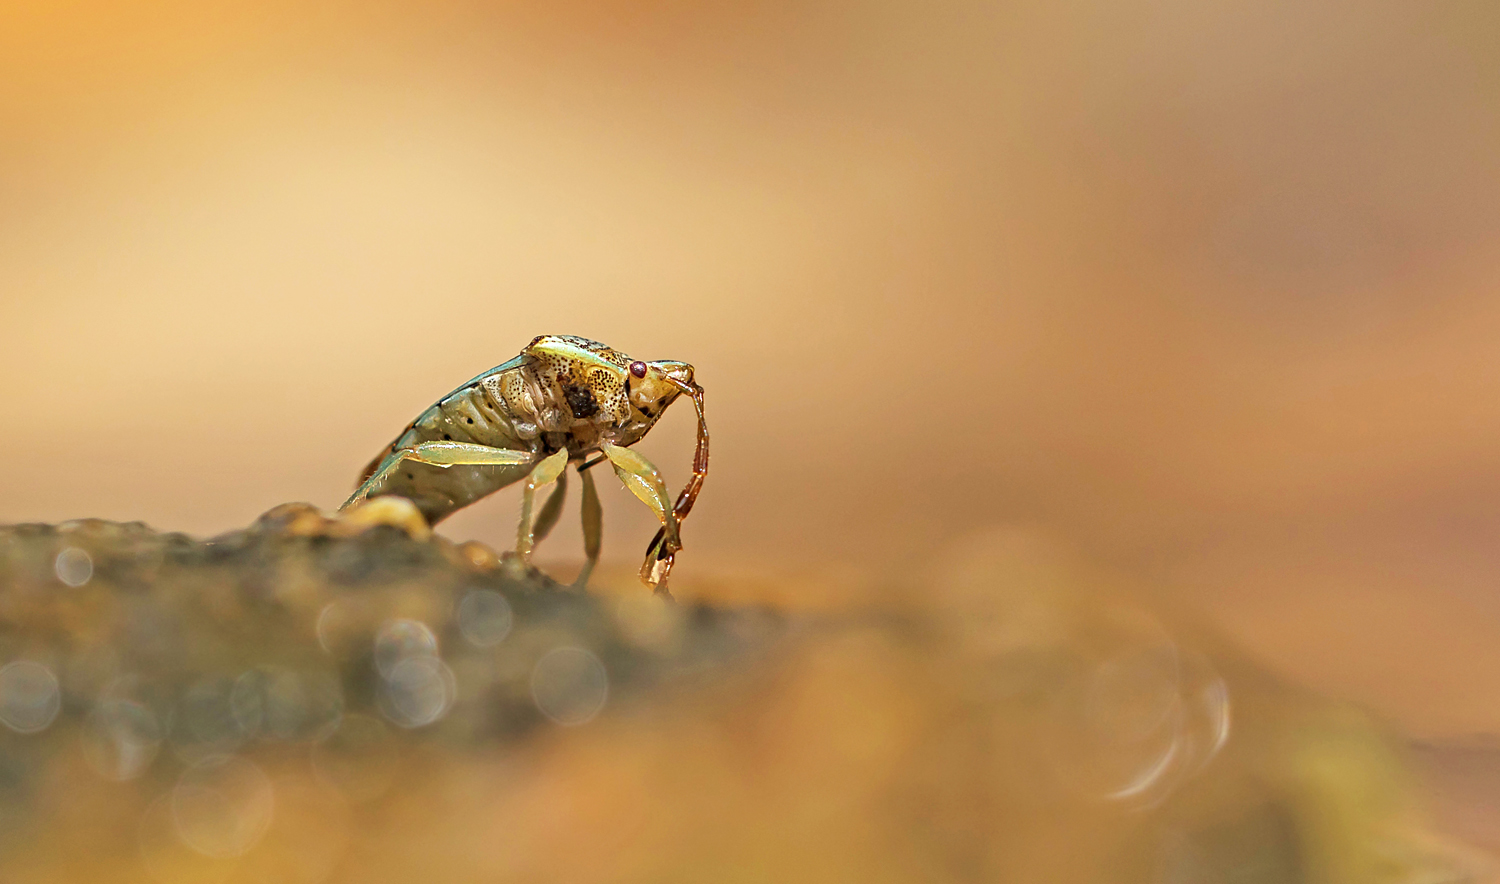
pixel 593 521
pixel 593 529
pixel 546 471
pixel 546 520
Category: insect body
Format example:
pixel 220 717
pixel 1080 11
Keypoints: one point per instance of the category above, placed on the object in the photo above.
pixel 561 400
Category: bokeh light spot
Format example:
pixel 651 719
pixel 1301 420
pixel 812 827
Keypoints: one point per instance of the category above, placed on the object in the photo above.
pixel 73 566
pixel 400 639
pixel 29 696
pixel 121 739
pixel 419 691
pixel 569 685
pixel 484 617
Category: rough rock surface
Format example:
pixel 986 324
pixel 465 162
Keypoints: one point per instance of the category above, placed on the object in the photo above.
pixel 317 699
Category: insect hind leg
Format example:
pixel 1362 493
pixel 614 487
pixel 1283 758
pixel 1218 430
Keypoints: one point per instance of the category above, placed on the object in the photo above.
pixel 438 454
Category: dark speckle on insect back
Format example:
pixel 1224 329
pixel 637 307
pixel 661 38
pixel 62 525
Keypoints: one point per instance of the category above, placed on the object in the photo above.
pixel 581 401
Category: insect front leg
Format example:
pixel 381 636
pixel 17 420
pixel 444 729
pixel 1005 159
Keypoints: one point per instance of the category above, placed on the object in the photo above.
pixel 660 555
pixel 546 471
pixel 644 481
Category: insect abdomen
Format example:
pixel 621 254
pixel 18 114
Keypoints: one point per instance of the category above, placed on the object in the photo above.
pixel 466 415
pixel 470 415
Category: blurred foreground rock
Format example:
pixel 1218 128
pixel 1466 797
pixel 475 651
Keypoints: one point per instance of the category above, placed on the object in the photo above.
pixel 315 700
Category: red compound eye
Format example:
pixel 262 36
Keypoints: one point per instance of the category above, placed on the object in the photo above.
pixel 638 369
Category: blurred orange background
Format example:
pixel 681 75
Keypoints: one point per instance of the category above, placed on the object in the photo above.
pixel 1209 290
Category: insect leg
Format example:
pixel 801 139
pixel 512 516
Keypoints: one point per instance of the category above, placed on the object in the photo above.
pixel 552 509
pixel 659 555
pixel 593 530
pixel 690 491
pixel 448 454
pixel 438 454
pixel 546 471
pixel 644 481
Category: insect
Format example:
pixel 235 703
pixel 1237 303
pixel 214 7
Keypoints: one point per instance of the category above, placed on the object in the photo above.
pixel 560 401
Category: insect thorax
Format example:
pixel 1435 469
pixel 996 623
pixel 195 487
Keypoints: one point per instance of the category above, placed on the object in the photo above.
pixel 566 385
